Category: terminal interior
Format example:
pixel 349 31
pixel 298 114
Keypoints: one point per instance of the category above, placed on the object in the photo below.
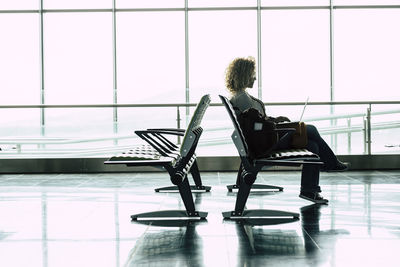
pixel 78 78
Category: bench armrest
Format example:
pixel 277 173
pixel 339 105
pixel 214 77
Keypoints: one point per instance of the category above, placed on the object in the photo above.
pixel 168 131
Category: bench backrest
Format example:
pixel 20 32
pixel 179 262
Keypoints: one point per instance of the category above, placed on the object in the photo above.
pixel 194 125
pixel 237 135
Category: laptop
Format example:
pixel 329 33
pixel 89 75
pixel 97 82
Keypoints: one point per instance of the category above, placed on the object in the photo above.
pixel 301 116
pixel 304 109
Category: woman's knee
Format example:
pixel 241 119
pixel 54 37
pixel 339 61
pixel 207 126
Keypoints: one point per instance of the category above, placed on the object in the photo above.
pixel 311 128
pixel 312 131
pixel 313 147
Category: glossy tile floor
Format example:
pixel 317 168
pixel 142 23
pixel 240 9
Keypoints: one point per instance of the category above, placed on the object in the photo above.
pixel 84 220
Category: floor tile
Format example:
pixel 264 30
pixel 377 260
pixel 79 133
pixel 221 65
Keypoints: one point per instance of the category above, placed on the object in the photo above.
pixel 84 220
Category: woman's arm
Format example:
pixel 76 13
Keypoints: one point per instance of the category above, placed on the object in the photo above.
pixel 281 119
pixel 277 119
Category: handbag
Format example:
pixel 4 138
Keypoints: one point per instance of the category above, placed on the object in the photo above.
pixel 259 132
pixel 299 137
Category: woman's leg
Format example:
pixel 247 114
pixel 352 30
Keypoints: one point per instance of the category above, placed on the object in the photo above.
pixel 310 173
pixel 310 179
pixel 324 151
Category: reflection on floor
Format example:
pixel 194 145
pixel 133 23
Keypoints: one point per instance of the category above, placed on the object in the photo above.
pixel 84 220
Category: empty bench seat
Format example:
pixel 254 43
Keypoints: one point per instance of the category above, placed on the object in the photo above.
pixel 177 162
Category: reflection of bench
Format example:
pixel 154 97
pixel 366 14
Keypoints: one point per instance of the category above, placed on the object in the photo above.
pixel 250 168
pixel 178 164
pixel 159 144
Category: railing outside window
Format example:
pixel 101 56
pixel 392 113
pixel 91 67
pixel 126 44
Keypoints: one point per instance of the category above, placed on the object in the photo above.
pixel 91 131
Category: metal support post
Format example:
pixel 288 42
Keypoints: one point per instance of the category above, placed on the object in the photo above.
pixel 178 122
pixel 42 86
pixel 365 134
pixel 369 139
pixel 349 136
pixel 115 86
pixel 259 50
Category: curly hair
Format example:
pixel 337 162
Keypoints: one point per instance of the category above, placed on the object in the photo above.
pixel 239 73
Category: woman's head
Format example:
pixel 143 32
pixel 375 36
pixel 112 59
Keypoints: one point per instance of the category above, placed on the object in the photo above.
pixel 240 74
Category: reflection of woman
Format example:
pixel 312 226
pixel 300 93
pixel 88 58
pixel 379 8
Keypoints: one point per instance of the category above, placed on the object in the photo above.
pixel 241 75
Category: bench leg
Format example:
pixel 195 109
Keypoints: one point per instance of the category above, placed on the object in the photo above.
pixel 189 214
pixel 198 187
pixel 240 213
pixel 168 215
pixel 237 184
pixel 186 195
pixel 254 186
pixel 175 189
pixel 241 199
pixel 194 171
pixel 277 215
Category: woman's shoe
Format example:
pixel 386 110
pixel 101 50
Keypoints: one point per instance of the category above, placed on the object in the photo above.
pixel 340 167
pixel 314 197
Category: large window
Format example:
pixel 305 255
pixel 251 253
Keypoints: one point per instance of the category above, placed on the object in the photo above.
pixel 366 2
pixel 78 58
pixel 215 38
pixel 19 74
pixel 150 4
pixel 222 3
pixel 151 57
pixel 146 56
pixel 19 5
pixel 367 55
pixel 81 4
pixel 19 59
pixel 295 55
pixel 295 2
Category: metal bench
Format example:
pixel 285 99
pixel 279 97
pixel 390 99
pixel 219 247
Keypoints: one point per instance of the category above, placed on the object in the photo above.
pixel 178 164
pixel 251 167
pixel 159 144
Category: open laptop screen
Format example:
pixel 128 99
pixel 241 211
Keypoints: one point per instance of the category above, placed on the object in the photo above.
pixel 304 109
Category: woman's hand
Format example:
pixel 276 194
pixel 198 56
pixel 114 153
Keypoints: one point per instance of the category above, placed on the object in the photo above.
pixel 281 119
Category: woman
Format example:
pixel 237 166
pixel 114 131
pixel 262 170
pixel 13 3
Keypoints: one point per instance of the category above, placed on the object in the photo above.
pixel 240 75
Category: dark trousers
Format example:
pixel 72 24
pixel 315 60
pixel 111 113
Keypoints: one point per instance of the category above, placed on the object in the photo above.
pixel 317 145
